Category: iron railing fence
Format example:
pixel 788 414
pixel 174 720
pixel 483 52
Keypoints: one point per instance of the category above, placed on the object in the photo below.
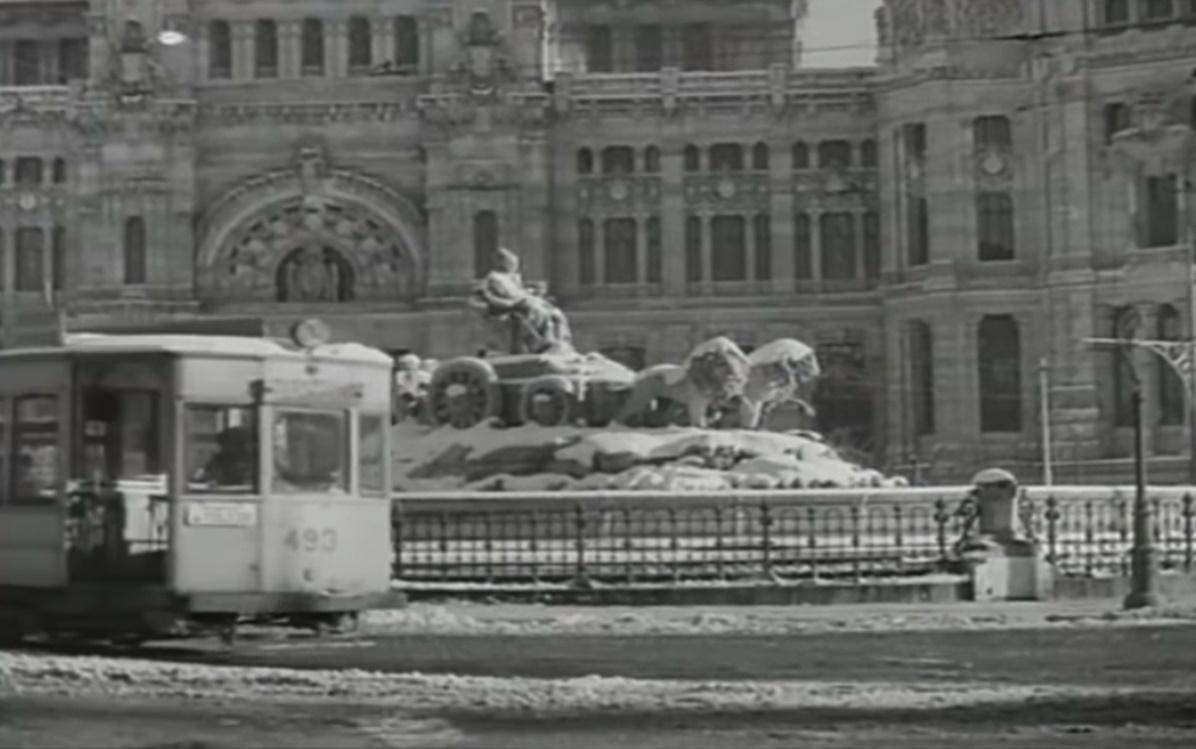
pixel 623 538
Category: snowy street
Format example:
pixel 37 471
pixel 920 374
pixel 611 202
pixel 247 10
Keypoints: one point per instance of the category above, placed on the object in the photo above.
pixel 1003 675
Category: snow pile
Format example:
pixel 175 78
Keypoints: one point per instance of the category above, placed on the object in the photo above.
pixel 535 458
pixel 465 619
pixel 131 678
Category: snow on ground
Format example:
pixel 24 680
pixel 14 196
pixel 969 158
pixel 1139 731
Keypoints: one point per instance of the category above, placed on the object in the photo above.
pixel 531 457
pixel 77 676
pixel 461 618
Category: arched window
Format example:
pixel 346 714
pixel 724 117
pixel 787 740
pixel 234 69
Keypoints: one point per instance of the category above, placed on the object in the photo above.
pixel 485 242
pixel 868 154
pixel 220 50
pixel 760 157
pixel 360 43
pixel 1171 387
pixel 1000 365
pixel 134 246
pixel 59 171
pixel 313 47
pixel 801 155
pixel 265 49
pixel 651 159
pixel 1125 327
pixel 693 158
pixel 618 160
pixel 585 161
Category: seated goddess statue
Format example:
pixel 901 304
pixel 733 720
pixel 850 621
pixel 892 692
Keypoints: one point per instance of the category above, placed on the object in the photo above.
pixel 530 323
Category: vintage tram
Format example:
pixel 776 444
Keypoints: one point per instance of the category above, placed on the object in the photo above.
pixel 162 485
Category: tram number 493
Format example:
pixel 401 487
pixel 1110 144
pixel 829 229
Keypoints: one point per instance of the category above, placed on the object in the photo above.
pixel 311 539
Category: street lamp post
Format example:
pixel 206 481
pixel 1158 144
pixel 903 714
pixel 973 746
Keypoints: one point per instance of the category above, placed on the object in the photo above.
pixel 1143 557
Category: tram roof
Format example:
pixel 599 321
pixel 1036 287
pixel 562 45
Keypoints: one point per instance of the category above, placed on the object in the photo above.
pixel 204 345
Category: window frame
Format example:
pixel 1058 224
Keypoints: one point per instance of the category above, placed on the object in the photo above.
pixel 347 465
pixel 255 419
pixel 383 423
pixel 13 449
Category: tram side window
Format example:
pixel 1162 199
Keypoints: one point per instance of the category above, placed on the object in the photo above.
pixel 36 460
pixel 310 452
pixel 222 453
pixel 371 454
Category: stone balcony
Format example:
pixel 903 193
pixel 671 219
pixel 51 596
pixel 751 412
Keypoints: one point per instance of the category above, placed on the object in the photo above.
pixel 35 100
pixel 778 86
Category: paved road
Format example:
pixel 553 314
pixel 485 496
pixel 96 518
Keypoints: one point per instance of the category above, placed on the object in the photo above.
pixel 1160 661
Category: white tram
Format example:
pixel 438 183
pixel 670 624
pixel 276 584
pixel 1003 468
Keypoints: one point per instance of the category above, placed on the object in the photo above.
pixel 167 484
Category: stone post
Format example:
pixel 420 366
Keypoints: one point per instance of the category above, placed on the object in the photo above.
pixel 1004 563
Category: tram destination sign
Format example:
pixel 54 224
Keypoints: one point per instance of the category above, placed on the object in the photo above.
pixel 307 391
pixel 222 514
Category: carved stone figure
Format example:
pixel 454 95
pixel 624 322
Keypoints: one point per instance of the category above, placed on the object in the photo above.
pixel 312 274
pixel 412 377
pixel 783 371
pixel 527 321
pixel 717 375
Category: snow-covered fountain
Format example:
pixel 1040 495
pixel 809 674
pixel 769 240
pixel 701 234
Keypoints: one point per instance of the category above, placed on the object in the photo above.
pixel 542 416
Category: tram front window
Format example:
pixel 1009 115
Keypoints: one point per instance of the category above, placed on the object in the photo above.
pixel 310 452
pixel 222 454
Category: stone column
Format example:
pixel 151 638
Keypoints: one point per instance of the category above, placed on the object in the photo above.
pixel 707 248
pixel 816 245
pixel 672 220
pixel 380 50
pixel 599 250
pixel 780 211
pixel 641 245
pixel 288 49
pixel 243 51
pixel 749 246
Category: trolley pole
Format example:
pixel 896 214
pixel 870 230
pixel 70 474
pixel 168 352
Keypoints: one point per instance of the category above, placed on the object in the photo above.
pixel 1143 560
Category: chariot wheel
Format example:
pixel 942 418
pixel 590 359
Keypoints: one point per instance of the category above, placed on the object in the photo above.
pixel 463 393
pixel 548 401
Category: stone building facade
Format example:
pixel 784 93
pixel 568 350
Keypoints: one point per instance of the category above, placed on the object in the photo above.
pixel 1009 179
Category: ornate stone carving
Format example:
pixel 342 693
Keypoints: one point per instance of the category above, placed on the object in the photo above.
pixel 727 191
pixel 311 233
pixel 520 316
pixel 619 193
pixel 977 18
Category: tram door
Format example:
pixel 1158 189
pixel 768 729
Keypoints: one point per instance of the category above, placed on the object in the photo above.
pixel 117 507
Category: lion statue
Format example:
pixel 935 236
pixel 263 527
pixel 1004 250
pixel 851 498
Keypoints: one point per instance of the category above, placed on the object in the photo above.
pixel 783 371
pixel 714 376
pixel 718 376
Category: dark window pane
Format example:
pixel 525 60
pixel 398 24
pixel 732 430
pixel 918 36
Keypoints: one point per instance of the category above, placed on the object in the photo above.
pixel 585 161
pixel 995 225
pixel 760 157
pixel 406 43
pixel 762 227
pixel 220 50
pixel 135 250
pixel 992 132
pixel 585 247
pixel 30 258
pixel 1171 388
pixel 265 49
pixel 1160 224
pixel 1000 374
pixel 728 247
pixel 29 71
pixel 921 353
pixel 72 60
pixel 599 49
pixel 693 158
pixel 620 251
pixel 59 171
pixel 801 156
pixel 726 157
pixel 837 232
pixel 618 160
pixel 803 250
pixel 360 45
pixel 313 47
pixel 485 242
pixel 58 258
pixel 693 249
pixel 651 159
pixel 697 47
pixel 29 171
pixel 1116 11
pixel 834 154
pixel 872 259
pixel 868 153
pixel 918 230
pixel 1117 118
pixel 649 48
pixel 655 261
